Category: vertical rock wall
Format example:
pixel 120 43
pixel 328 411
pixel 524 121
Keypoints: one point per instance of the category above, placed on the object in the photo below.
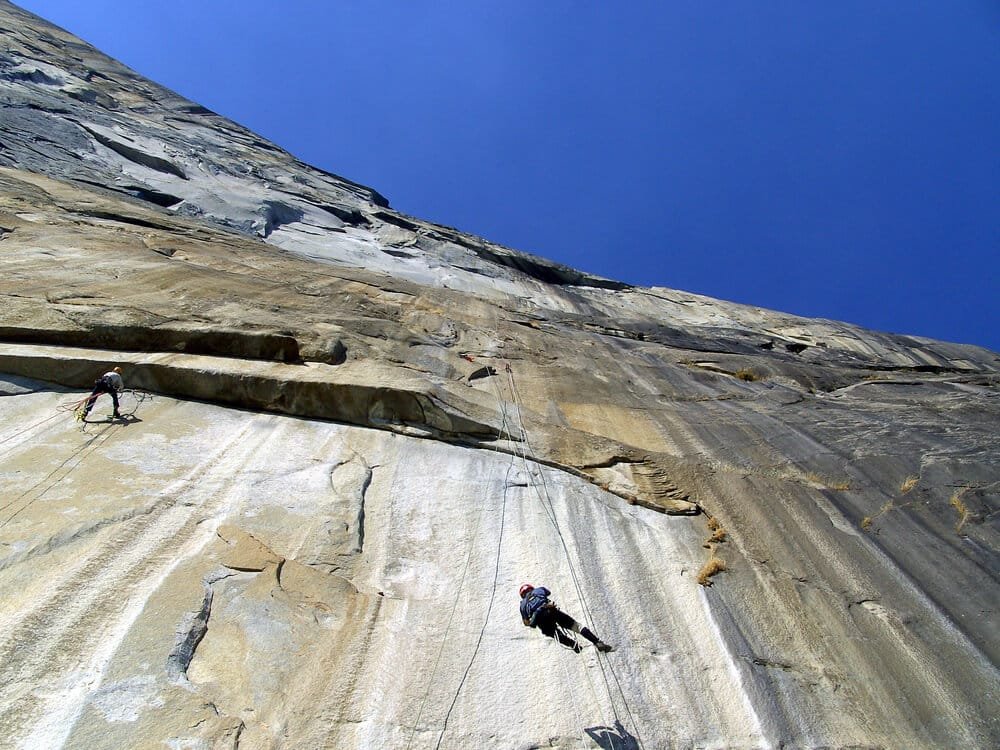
pixel 356 433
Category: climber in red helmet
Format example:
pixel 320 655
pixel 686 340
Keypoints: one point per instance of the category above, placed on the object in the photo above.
pixel 538 611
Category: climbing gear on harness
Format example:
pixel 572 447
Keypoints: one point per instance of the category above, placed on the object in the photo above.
pixel 566 639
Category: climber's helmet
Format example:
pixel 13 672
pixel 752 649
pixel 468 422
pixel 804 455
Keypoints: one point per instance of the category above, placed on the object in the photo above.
pixel 525 588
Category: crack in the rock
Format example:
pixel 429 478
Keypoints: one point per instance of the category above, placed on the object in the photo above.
pixel 122 219
pixel 612 462
pixel 135 155
pixel 180 658
pixel 768 663
pixel 363 494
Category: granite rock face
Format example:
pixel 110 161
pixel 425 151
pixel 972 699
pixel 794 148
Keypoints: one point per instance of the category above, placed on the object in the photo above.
pixel 355 433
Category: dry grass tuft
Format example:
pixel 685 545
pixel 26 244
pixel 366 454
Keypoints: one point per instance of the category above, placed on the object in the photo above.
pixel 747 374
pixel 718 533
pixel 866 522
pixel 839 485
pixel 958 504
pixel 908 484
pixel 714 566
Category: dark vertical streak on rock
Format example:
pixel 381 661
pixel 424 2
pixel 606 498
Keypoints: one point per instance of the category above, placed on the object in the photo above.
pixel 361 507
pixel 180 658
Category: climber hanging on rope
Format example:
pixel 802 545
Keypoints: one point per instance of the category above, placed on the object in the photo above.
pixel 110 383
pixel 538 611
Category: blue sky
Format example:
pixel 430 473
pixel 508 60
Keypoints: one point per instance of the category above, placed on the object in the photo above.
pixel 829 159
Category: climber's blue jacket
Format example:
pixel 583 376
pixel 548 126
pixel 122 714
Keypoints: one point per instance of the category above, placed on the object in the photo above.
pixel 533 602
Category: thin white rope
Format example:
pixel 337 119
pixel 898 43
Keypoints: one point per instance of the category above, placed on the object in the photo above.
pixel 518 404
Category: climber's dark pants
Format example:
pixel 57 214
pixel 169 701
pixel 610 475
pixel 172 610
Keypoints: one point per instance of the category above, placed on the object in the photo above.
pixel 550 618
pixel 100 387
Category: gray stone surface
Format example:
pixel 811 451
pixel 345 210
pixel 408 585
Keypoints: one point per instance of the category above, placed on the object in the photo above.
pixel 365 430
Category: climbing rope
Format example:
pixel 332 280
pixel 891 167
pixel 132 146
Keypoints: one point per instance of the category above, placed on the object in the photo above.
pixel 80 452
pixel 140 396
pixel 486 620
pixel 451 617
pixel 29 428
pixel 545 501
pixel 74 405
pixel 61 409
pixel 496 576
pixel 549 507
pixel 504 427
pixel 519 451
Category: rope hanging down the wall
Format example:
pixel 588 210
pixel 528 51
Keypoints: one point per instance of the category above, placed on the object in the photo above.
pixel 545 499
pixel 79 453
pixel 486 491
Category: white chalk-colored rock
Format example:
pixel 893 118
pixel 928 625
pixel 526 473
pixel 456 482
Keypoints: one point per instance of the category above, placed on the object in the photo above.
pixel 364 591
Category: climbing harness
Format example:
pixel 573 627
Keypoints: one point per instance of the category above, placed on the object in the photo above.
pixel 568 639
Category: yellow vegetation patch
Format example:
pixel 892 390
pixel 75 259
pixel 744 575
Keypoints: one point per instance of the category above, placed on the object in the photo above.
pixel 712 567
pixel 718 536
pixel 866 522
pixel 714 564
pixel 718 533
pixel 747 374
pixel 908 484
pixel 840 485
pixel 958 504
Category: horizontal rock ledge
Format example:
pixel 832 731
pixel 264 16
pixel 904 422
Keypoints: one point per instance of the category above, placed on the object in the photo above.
pixel 367 394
